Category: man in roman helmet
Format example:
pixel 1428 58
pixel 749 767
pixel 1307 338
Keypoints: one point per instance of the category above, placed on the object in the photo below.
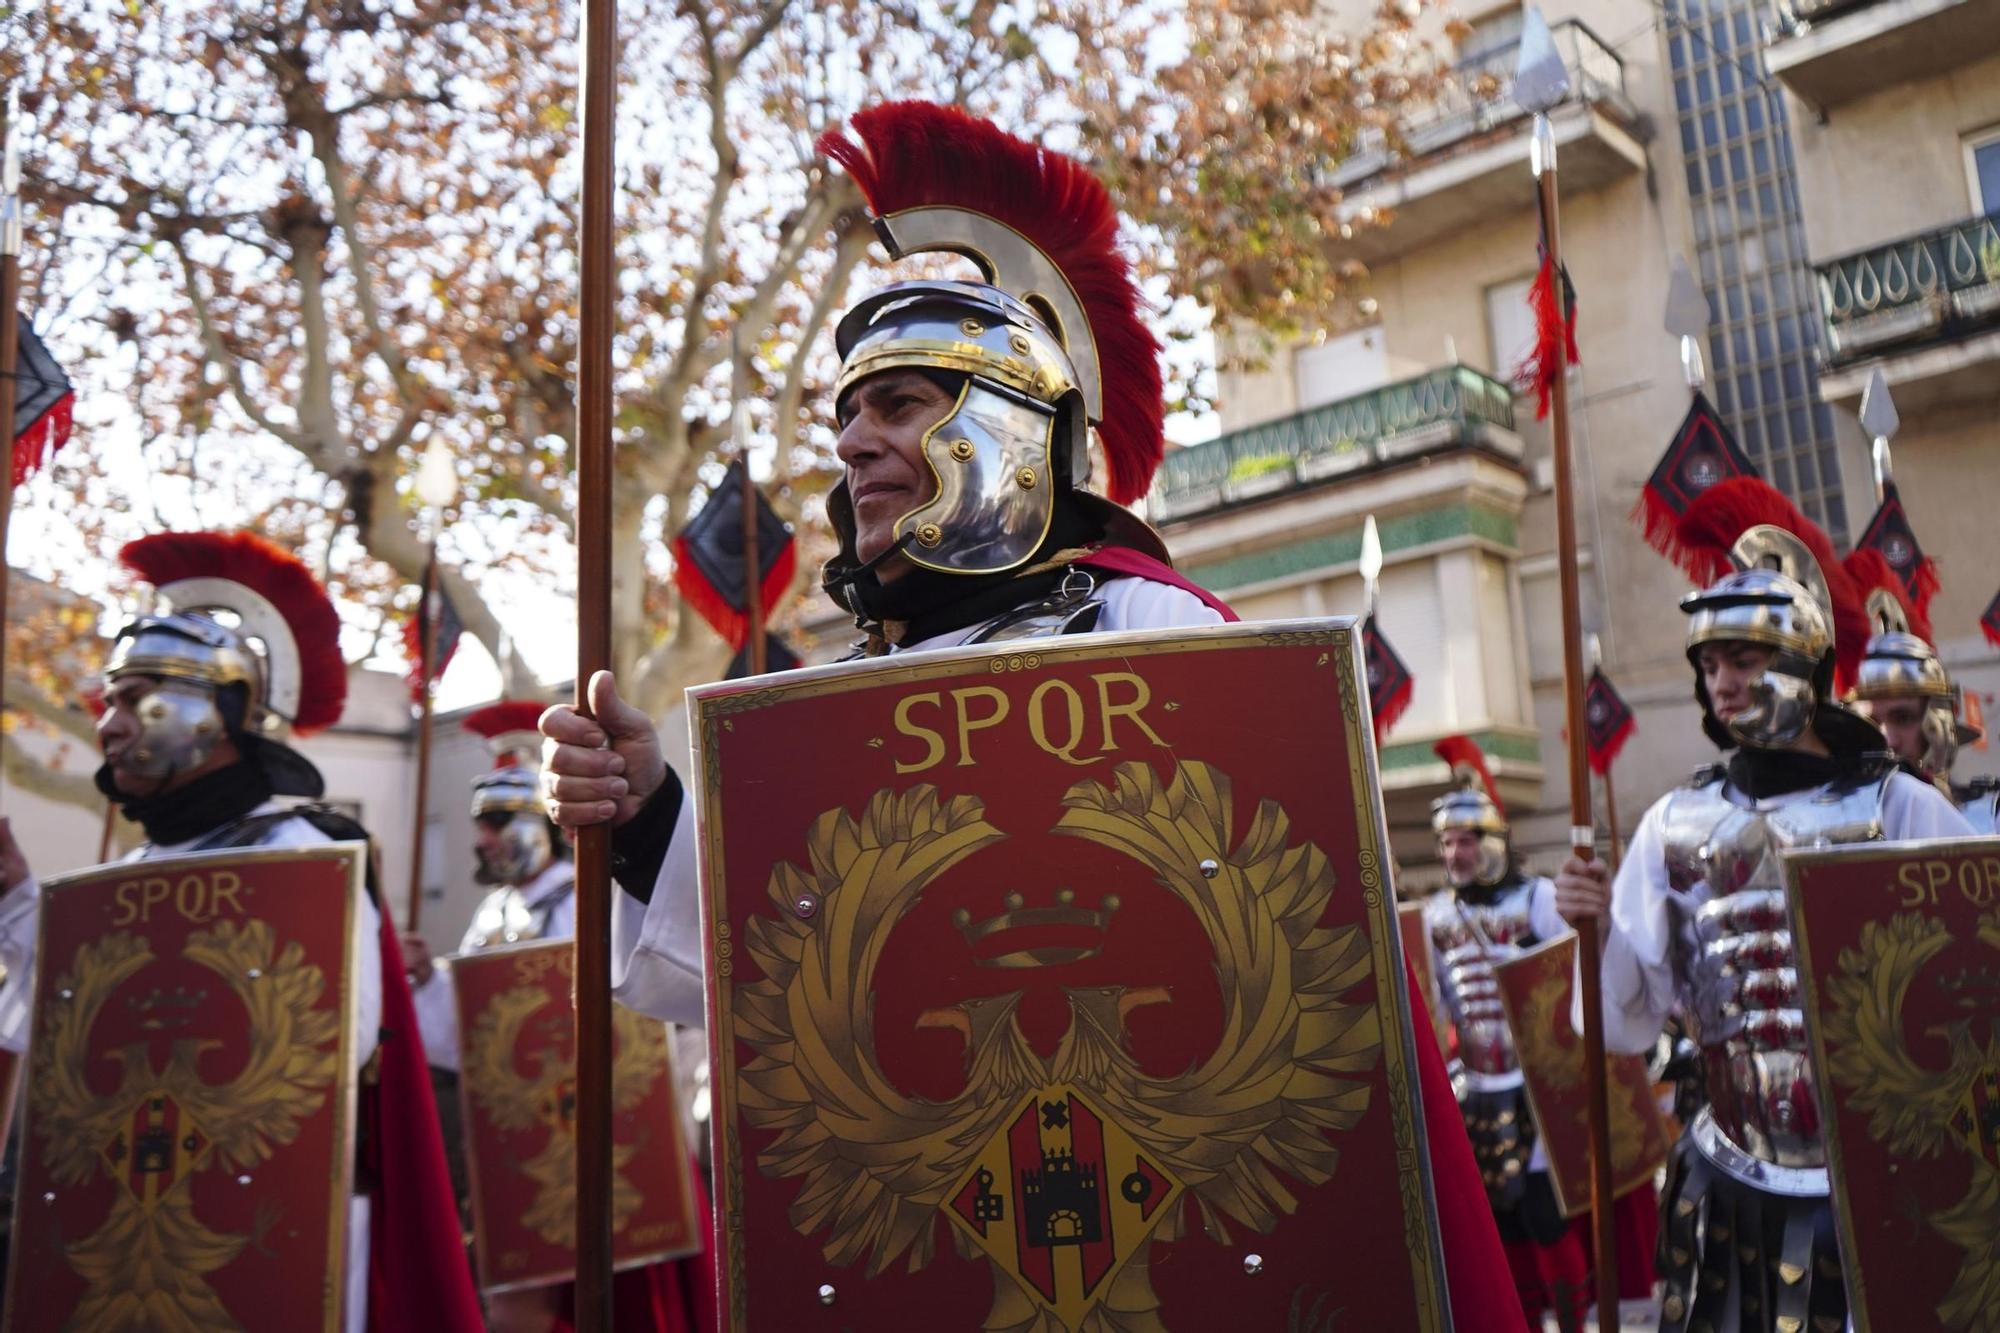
pixel 1490 910
pixel 201 699
pixel 1903 686
pixel 965 413
pixel 1696 918
pixel 520 854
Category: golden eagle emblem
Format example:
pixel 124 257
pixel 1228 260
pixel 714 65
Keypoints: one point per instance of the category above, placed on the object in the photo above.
pixel 146 1264
pixel 1916 1111
pixel 547 1097
pixel 1060 1172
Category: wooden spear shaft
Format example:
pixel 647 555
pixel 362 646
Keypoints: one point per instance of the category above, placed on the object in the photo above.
pixel 598 103
pixel 10 338
pixel 426 608
pixel 1583 834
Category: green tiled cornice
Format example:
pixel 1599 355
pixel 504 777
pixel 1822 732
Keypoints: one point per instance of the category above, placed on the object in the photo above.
pixel 1344 547
pixel 1511 745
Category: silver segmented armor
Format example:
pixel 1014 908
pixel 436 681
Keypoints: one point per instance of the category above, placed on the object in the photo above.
pixel 504 917
pixel 1736 975
pixel 1469 939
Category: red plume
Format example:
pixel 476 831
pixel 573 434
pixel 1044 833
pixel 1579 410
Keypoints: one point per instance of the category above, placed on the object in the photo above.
pixel 1462 752
pixel 914 154
pixel 1728 509
pixel 281 579
pixel 507 716
pixel 1870 569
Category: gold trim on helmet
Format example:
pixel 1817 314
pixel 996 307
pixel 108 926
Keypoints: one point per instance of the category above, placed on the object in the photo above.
pixel 1761 606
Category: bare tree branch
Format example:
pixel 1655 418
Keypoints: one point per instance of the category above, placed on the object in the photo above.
pixel 218 354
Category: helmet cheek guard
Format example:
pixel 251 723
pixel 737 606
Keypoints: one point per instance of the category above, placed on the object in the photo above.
pixel 179 725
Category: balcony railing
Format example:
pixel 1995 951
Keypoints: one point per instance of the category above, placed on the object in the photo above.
pixel 1480 96
pixel 1926 288
pixel 1442 408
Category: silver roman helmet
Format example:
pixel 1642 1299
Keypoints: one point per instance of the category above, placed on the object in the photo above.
pixel 509 795
pixel 1899 664
pixel 1049 342
pixel 1473 803
pixel 244 645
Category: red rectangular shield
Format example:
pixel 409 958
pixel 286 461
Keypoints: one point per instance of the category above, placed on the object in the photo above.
pixel 1535 991
pixel 1899 964
pixel 190 1098
pixel 517 1085
pixel 1061 978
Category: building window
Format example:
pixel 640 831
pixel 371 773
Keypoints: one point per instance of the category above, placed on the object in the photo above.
pixel 1492 32
pixel 1510 327
pixel 1750 249
pixel 1340 367
pixel 1982 169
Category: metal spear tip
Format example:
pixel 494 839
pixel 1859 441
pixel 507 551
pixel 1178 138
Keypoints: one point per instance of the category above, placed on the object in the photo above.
pixel 1540 80
pixel 1878 409
pixel 1371 551
pixel 1687 308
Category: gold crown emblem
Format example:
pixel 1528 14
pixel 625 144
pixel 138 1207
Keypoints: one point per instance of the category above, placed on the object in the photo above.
pixel 1019 915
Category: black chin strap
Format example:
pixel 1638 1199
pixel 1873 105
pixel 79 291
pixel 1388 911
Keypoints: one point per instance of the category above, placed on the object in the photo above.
pixel 844 585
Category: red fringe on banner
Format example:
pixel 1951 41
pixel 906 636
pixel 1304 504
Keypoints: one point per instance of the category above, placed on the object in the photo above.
pixel 1391 709
pixel 43 436
pixel 732 623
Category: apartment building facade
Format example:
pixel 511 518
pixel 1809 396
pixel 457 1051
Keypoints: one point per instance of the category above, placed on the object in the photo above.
pixel 1675 141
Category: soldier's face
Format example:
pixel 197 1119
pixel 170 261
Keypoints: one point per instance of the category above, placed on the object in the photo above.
pixel 118 730
pixel 1902 722
pixel 1459 848
pixel 1728 670
pixel 883 421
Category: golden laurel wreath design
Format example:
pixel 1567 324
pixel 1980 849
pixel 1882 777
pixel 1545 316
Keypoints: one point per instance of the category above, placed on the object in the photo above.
pixel 146 1263
pixel 1910 1107
pixel 515 1102
pixel 1241 1129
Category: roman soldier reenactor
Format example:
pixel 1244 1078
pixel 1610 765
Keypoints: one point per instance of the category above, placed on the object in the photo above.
pixel 1903 686
pixel 965 412
pixel 1489 911
pixel 521 855
pixel 525 858
pixel 1696 919
pixel 201 699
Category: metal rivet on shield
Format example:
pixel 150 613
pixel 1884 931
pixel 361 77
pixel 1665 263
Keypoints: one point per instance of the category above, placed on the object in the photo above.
pixel 243 1180
pixel 826 1293
pixel 1209 867
pixel 805 905
pixel 66 993
pixel 1253 1264
pixel 50 1197
pixel 254 973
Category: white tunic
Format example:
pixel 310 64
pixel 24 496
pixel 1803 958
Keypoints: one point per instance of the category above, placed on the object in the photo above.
pixel 437 1007
pixel 657 948
pixel 20 909
pixel 1638 971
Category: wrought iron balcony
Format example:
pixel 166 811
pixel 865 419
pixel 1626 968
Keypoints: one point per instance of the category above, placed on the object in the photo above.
pixel 1450 407
pixel 1480 97
pixel 1933 287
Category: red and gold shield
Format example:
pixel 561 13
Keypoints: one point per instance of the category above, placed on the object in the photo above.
pixel 1899 968
pixel 517 1084
pixel 1057 986
pixel 1535 991
pixel 189 1142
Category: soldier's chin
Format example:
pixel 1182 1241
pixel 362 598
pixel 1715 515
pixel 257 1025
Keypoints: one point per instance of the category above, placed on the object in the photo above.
pixel 135 785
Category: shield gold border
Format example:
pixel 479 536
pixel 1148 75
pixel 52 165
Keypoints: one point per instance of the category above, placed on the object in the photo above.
pixel 355 854
pixel 683 1175
pixel 711 706
pixel 1804 860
